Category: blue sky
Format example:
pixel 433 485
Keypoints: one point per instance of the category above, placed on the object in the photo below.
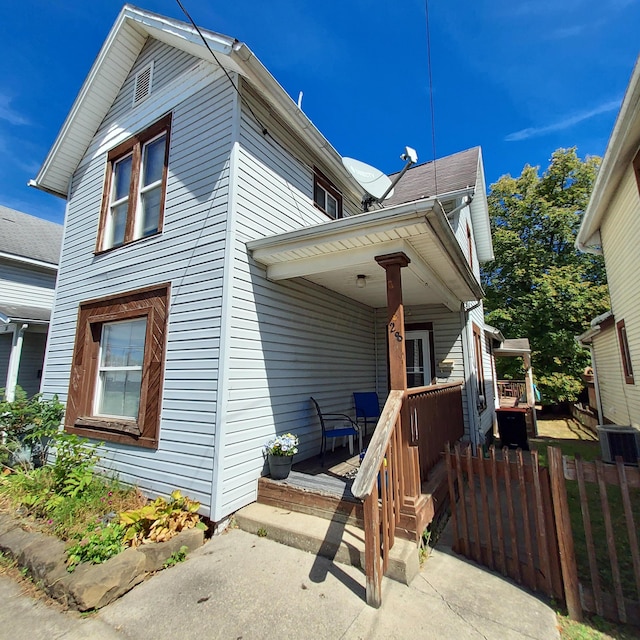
pixel 518 77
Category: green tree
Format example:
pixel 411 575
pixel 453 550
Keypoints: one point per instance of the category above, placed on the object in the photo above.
pixel 539 286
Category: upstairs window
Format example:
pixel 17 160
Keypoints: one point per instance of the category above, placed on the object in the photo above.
pixel 135 185
pixel 325 196
pixel 625 354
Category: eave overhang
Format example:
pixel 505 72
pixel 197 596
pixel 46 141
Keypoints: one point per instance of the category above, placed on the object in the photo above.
pixel 335 253
pixel 112 66
pixel 621 149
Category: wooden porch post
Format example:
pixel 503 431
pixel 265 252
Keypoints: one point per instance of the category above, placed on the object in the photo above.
pixel 393 263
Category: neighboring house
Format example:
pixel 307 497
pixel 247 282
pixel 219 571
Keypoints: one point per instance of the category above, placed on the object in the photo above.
pixel 29 253
pixel 610 227
pixel 217 269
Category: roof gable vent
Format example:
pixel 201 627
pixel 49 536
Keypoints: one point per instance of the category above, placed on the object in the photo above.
pixel 142 86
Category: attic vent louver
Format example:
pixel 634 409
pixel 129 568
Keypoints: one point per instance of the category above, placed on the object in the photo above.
pixel 142 87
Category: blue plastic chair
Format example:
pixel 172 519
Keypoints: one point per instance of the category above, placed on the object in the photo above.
pixel 367 408
pixel 348 431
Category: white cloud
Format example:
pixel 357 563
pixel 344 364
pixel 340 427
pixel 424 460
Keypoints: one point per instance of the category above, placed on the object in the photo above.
pixel 9 114
pixel 566 123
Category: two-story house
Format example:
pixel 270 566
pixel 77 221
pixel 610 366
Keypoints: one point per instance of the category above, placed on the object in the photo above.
pixel 218 269
pixel 610 228
pixel 29 252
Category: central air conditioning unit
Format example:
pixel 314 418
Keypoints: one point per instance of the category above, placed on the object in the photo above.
pixel 619 440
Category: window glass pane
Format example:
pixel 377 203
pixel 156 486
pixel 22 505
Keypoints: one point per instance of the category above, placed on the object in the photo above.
pixel 121 178
pixel 332 206
pixel 319 196
pixel 151 210
pixel 120 393
pixel 123 343
pixel 118 224
pixel 415 362
pixel 153 161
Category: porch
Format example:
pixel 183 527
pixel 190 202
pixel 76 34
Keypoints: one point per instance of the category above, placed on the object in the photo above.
pixel 405 255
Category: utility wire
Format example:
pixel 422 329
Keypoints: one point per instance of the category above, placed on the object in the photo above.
pixel 233 84
pixel 433 120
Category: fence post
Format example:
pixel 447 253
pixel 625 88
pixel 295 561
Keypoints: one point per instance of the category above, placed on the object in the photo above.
pixel 565 536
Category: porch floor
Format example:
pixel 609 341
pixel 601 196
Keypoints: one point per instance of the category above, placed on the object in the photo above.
pixel 335 477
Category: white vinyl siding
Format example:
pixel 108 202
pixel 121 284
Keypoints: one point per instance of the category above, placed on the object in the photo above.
pixel 287 340
pixel 620 234
pixel 31 359
pixel 610 376
pixel 26 286
pixel 188 254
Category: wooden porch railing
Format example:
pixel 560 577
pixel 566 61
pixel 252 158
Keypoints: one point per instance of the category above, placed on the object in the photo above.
pixel 511 389
pixel 435 415
pixel 390 475
pixel 381 473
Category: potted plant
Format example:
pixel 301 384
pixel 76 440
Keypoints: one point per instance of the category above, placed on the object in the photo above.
pixel 280 452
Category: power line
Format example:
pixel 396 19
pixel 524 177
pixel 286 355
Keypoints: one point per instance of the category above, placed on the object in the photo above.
pixel 233 84
pixel 433 120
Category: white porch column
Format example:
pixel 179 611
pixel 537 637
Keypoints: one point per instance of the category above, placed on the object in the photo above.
pixel 531 396
pixel 14 361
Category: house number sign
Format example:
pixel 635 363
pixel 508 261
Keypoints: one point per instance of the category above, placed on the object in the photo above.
pixel 393 332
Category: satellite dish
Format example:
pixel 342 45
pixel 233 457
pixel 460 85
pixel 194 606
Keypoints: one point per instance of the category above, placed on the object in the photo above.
pixel 372 180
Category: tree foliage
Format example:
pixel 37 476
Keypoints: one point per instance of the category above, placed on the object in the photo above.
pixel 539 286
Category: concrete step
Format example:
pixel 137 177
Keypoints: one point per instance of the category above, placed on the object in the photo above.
pixel 334 540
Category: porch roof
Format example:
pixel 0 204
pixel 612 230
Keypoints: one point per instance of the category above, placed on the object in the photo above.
pixel 514 347
pixel 335 253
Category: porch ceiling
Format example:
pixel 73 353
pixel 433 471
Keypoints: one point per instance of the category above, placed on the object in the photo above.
pixel 333 254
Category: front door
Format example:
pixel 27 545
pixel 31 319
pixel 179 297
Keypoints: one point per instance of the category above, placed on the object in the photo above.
pixel 418 353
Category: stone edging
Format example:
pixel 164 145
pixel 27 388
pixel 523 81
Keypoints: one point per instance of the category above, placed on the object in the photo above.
pixel 90 586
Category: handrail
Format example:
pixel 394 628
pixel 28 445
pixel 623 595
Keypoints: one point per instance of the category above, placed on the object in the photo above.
pixel 374 457
pixel 414 391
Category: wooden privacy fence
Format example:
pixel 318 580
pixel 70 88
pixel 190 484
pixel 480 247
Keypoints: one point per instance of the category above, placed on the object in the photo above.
pixel 561 530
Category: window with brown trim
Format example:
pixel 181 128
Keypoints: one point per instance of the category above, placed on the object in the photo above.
pixel 625 354
pixel 115 387
pixel 470 245
pixel 325 195
pixel 636 168
pixel 134 188
pixel 477 347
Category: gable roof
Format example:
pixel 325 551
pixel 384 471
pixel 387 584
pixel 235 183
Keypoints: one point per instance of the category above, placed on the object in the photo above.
pixel 25 236
pixel 112 66
pixel 457 175
pixel 621 149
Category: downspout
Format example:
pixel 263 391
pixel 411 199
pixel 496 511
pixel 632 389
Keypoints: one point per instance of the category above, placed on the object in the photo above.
pixel 14 362
pixel 471 406
pixel 596 385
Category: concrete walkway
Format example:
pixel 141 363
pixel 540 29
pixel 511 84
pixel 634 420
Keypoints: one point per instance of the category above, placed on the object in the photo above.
pixel 239 586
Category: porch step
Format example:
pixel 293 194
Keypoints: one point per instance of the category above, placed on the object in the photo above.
pixel 328 538
pixel 293 495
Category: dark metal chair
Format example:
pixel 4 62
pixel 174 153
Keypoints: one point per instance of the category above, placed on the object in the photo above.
pixel 348 430
pixel 367 408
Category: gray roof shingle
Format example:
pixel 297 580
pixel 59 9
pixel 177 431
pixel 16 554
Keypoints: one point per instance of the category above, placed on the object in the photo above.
pixel 454 172
pixel 29 237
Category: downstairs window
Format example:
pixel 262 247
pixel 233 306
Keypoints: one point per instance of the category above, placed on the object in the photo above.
pixel 115 387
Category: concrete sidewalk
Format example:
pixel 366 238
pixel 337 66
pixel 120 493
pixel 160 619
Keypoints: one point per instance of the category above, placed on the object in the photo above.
pixel 241 586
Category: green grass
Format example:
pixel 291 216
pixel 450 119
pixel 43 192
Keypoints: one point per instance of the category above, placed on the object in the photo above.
pixel 594 628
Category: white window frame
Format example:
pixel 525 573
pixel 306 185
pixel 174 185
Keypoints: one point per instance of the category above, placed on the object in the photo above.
pixel 101 369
